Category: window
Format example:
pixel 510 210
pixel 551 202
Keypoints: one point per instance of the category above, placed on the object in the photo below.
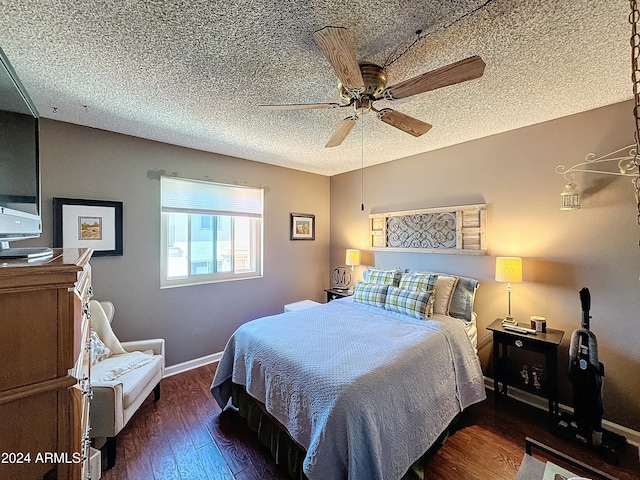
pixel 211 232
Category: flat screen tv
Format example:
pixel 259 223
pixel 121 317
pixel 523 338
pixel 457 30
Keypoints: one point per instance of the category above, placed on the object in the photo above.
pixel 19 166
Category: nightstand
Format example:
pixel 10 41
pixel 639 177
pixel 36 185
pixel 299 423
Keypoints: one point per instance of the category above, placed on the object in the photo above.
pixel 545 344
pixel 335 293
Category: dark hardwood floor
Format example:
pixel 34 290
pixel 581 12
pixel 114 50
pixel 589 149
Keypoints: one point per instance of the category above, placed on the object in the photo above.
pixel 186 436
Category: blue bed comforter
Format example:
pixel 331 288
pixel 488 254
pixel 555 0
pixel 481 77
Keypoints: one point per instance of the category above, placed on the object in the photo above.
pixel 364 391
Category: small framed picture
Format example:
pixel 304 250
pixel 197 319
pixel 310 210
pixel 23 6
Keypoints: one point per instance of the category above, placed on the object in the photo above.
pixel 95 224
pixel 303 226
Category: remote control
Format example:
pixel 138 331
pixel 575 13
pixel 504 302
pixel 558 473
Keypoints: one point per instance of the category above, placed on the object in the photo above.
pixel 515 328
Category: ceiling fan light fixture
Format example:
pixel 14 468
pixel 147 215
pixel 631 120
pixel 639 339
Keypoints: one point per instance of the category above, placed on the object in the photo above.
pixel 375 82
pixel 362 105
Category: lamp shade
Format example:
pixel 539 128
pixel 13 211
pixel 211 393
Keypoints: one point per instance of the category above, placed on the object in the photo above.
pixel 352 257
pixel 509 269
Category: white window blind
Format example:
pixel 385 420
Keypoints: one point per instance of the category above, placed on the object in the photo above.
pixel 210 232
pixel 189 196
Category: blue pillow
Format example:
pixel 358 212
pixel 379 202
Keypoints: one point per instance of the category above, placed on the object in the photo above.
pixel 99 351
pixel 462 298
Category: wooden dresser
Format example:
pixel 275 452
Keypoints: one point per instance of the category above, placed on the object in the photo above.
pixel 44 367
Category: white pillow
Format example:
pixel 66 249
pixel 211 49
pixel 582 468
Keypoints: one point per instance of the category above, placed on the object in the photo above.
pixel 443 293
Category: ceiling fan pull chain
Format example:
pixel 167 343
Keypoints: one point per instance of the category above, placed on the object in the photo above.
pixel 362 166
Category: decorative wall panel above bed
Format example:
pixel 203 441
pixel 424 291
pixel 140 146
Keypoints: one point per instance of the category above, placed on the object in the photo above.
pixel 460 229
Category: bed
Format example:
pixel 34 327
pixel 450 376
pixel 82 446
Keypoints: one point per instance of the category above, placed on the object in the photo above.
pixel 364 385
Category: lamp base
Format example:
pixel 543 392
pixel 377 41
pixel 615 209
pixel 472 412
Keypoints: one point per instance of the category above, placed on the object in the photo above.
pixel 509 320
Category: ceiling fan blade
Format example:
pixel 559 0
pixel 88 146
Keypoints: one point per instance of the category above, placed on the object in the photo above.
pixel 337 48
pixel 458 72
pixel 404 122
pixel 341 132
pixel 300 106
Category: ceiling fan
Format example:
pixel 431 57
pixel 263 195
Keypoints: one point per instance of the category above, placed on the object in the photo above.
pixel 362 84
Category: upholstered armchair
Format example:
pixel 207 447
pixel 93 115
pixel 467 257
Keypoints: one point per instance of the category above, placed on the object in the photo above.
pixel 123 375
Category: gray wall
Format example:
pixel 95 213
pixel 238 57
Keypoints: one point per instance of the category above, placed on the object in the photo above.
pixel 514 174
pixel 80 162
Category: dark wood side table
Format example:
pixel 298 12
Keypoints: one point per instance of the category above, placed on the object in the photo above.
pixel 544 343
pixel 334 293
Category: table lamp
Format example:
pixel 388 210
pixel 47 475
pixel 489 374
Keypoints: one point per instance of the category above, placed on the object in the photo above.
pixel 509 270
pixel 352 258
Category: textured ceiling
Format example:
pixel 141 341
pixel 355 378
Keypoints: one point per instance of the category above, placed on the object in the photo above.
pixel 191 72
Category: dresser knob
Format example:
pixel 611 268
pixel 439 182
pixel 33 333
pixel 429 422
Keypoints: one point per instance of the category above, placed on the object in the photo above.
pixel 519 343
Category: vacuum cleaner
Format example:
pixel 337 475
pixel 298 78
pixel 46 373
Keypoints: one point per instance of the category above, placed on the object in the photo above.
pixel 585 374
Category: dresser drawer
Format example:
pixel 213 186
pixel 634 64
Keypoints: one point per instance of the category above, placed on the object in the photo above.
pixel 83 284
pixel 80 295
pixel 81 367
pixel 80 401
pixel 30 337
pixel 529 343
pixel 33 423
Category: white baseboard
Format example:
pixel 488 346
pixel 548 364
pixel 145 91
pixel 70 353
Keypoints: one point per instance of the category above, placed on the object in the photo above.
pixel 632 436
pixel 191 364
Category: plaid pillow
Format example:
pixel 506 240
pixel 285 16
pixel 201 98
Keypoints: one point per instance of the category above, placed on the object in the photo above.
pixel 462 297
pixel 382 277
pixel 370 293
pixel 409 302
pixel 417 281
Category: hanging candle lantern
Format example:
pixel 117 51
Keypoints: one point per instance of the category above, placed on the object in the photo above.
pixel 570 197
